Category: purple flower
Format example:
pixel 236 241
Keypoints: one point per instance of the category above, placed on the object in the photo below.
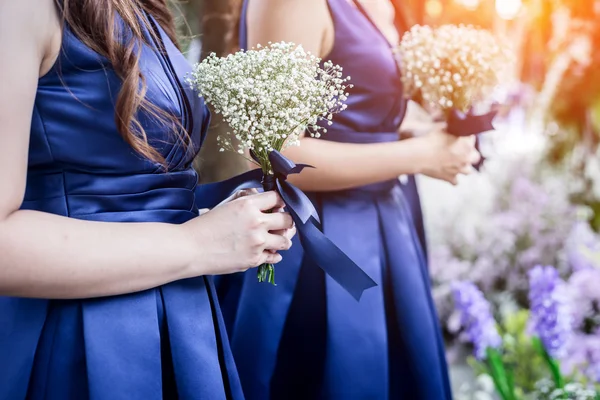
pixel 476 318
pixel 583 354
pixel 593 358
pixel 550 312
pixel 581 246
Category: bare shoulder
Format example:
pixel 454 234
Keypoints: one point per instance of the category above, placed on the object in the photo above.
pixel 31 25
pixel 295 8
pixel 299 21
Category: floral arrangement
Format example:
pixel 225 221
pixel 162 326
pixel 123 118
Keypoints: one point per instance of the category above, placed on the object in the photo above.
pixel 499 234
pixel 270 96
pixel 453 67
pixel 516 215
pixel 549 338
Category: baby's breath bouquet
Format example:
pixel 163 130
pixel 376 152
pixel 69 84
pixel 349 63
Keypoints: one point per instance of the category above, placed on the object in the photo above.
pixel 453 68
pixel 269 96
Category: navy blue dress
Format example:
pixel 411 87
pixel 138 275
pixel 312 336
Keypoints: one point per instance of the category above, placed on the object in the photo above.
pixel 307 338
pixel 168 342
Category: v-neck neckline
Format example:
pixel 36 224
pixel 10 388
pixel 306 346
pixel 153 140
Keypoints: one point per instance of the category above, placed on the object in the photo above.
pixel 361 8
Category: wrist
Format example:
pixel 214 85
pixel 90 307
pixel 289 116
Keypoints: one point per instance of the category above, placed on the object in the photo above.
pixel 418 152
pixel 188 252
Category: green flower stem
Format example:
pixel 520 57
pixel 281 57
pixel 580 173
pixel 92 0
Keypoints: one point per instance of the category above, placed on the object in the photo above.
pixel 552 363
pixel 501 378
pixel 266 273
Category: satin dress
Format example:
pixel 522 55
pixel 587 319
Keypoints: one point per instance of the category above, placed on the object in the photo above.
pixel 307 338
pixel 164 343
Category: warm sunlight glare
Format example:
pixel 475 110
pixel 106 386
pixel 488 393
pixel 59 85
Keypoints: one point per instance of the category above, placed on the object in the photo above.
pixel 469 4
pixel 433 8
pixel 508 9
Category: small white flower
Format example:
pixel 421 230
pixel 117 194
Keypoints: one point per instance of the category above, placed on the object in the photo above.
pixel 452 66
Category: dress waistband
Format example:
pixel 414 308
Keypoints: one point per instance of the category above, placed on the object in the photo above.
pixel 167 197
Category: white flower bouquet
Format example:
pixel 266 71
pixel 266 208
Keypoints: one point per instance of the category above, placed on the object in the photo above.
pixel 270 96
pixel 454 68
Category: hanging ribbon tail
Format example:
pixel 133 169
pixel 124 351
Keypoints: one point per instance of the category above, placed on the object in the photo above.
pixel 478 164
pixel 333 261
pixel 317 246
pixel 212 194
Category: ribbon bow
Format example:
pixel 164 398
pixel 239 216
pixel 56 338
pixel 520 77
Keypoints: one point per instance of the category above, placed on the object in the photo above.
pixel 316 245
pixel 460 124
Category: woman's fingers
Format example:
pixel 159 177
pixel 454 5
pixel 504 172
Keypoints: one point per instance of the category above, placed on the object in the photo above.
pixel 278 221
pixel 239 194
pixel 277 242
pixel 272 258
pixel 244 193
pixel 290 233
pixel 475 157
pixel 467 169
pixel 267 201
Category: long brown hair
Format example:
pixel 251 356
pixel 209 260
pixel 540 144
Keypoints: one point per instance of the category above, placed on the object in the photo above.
pixel 96 24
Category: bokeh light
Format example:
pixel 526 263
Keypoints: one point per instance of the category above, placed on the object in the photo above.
pixel 434 8
pixel 469 4
pixel 508 9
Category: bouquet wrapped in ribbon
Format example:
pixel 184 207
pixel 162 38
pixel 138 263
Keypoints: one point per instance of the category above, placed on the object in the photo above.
pixel 270 96
pixel 453 68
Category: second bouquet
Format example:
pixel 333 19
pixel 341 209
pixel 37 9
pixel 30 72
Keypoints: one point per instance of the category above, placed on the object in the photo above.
pixel 454 69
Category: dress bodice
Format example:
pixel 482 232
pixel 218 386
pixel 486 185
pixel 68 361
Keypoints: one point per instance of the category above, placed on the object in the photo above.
pixel 80 166
pixel 376 103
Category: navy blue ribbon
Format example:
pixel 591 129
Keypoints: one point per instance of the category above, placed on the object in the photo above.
pixel 460 124
pixel 316 245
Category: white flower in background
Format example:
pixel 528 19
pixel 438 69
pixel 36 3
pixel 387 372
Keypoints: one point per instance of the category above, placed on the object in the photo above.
pixel 270 95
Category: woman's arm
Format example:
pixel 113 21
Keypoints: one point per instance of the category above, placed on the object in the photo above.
pixel 345 165
pixel 49 256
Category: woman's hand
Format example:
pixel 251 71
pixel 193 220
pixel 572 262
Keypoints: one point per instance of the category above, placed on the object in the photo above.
pixel 288 233
pixel 448 155
pixel 240 234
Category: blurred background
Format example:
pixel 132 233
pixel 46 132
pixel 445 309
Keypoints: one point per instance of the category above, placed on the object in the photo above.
pixel 537 199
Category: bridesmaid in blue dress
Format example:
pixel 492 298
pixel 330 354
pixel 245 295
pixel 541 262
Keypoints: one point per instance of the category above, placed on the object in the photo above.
pixel 106 264
pixel 307 338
